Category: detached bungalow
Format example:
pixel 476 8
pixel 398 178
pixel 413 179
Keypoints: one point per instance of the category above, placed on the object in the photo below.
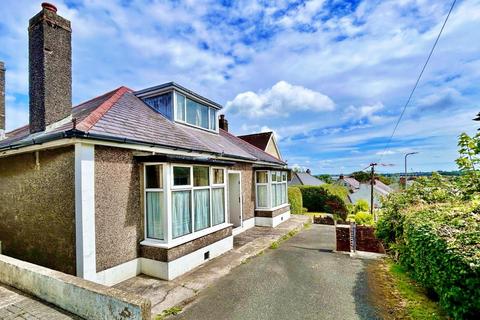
pixel 129 182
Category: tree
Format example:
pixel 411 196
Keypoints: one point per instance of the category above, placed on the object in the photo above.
pixel 361 176
pixel 325 178
pixel 469 162
pixel 386 180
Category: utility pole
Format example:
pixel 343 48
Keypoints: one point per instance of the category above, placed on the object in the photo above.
pixel 406 155
pixel 372 183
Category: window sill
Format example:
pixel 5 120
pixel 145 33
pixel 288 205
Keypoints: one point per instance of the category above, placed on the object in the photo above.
pixel 184 239
pixel 274 208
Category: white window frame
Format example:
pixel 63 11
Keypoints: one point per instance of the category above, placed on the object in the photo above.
pixel 210 109
pixel 169 188
pixel 165 205
pixel 262 184
pixel 269 184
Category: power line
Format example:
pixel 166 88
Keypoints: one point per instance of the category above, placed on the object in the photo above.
pixel 416 83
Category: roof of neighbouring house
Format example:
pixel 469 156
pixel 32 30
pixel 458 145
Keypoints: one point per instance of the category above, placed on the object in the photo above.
pixel 305 179
pixel 354 183
pixel 121 116
pixel 259 140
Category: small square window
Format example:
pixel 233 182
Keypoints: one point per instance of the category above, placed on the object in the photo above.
pixel 181 176
pixel 262 177
pixel 273 175
pixel 200 176
pixel 218 177
pixel 153 177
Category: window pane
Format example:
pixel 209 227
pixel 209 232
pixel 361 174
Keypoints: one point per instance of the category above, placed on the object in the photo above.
pixel 201 201
pixel 213 119
pixel 181 176
pixel 218 177
pixel 279 196
pixel 197 114
pixel 162 104
pixel 274 195
pixel 284 193
pixel 180 107
pixel 284 176
pixel 262 196
pixel 181 213
pixel 154 177
pixel 218 206
pixel 262 177
pixel 200 176
pixel 279 176
pixel 155 215
pixel 273 176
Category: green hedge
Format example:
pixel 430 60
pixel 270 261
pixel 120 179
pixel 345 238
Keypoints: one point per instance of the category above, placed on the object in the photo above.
pixel 439 244
pixel 325 198
pixel 295 200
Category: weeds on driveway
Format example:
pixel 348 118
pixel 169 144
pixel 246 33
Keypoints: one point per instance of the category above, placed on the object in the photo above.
pixel 168 312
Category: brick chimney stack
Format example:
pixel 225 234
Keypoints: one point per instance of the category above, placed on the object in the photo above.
pixel 50 68
pixel 2 100
pixel 223 123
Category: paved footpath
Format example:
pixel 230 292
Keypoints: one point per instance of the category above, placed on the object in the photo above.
pixel 302 279
pixel 17 305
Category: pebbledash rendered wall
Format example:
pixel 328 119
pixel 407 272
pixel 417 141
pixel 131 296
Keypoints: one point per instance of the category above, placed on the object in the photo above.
pixel 118 214
pixel 37 208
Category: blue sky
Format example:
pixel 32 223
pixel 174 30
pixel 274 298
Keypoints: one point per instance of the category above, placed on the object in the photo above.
pixel 328 77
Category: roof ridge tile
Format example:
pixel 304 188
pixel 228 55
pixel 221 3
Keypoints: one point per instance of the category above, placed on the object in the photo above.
pixel 100 111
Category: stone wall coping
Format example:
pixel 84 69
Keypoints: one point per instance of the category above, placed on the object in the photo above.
pixel 84 298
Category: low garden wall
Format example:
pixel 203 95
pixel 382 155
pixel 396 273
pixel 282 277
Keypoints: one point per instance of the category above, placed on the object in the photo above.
pixel 78 296
pixel 364 237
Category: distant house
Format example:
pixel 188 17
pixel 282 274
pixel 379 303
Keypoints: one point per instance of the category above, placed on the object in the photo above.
pixel 304 179
pixel 265 141
pixel 362 190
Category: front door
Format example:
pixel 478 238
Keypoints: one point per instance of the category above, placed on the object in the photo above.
pixel 235 199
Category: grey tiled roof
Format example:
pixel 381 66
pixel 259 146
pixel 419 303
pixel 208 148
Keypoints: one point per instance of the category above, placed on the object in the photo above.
pixel 120 114
pixel 306 179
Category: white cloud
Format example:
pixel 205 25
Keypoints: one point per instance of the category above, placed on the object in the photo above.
pixel 281 100
pixel 367 112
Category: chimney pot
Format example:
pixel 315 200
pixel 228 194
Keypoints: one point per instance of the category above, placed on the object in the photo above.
pixel 49 6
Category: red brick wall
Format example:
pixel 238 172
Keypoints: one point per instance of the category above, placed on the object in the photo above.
pixel 343 238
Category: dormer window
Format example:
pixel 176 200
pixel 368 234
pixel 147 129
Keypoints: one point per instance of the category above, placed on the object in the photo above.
pixel 181 105
pixel 194 113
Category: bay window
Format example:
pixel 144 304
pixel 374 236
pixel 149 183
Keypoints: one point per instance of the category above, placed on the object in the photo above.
pixel 196 203
pixel 271 189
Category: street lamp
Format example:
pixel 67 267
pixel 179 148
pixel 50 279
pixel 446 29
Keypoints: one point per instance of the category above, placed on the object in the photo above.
pixel 406 155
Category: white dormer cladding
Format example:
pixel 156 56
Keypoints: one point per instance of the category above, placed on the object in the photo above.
pixel 182 105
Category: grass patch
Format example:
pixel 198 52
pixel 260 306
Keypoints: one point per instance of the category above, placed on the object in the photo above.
pixel 168 312
pixel 418 305
pixel 274 245
pixel 285 237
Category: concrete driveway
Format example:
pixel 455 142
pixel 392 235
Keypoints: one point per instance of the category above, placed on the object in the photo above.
pixel 302 279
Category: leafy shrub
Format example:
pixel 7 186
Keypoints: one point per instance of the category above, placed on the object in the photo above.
pixel 364 218
pixel 435 234
pixel 295 200
pixel 325 198
pixel 361 218
pixel 442 252
pixel 360 206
